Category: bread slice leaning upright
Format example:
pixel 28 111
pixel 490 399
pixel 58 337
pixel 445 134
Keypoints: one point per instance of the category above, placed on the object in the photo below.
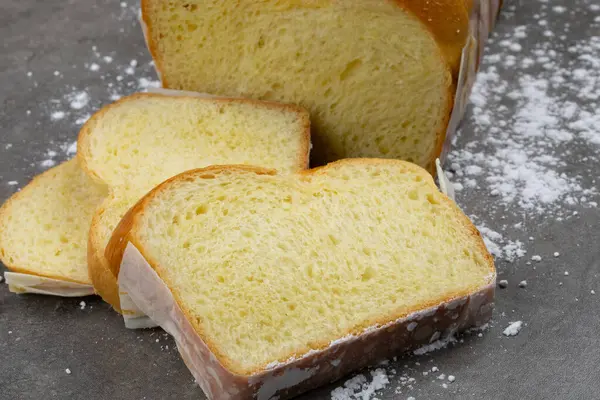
pixel 139 141
pixel 44 227
pixel 378 76
pixel 259 275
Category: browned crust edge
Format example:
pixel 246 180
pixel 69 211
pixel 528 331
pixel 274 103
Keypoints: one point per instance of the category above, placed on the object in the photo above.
pixel 123 234
pixel 5 209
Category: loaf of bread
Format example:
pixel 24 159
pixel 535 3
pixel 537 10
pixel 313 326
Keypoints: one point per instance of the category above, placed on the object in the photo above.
pixel 44 227
pixel 377 76
pixel 141 140
pixel 254 271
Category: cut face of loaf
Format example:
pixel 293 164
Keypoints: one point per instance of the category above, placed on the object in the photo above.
pixel 141 140
pixel 376 75
pixel 43 228
pixel 268 267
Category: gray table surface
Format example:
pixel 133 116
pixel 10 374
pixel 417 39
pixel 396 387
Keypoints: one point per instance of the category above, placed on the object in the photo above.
pixel 556 355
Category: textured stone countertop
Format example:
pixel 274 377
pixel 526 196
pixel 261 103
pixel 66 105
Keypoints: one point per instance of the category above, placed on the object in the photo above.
pixel 525 166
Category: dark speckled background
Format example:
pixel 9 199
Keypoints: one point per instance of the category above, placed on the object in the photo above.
pixel 556 355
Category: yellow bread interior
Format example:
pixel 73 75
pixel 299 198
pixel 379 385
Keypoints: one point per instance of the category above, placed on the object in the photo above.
pixel 370 72
pixel 43 228
pixel 146 138
pixel 267 267
pixel 141 140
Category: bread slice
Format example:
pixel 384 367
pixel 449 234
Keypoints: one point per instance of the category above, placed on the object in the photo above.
pixel 268 268
pixel 141 140
pixel 377 76
pixel 43 228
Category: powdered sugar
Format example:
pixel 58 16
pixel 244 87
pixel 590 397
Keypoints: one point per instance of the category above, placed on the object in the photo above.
pixel 530 100
pixel 513 329
pixel 360 388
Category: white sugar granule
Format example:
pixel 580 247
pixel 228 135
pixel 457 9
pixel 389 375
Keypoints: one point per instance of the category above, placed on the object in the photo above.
pixel 12 183
pixel 82 305
pixel 499 246
pixel 438 344
pixel 78 100
pixel 358 388
pixel 56 115
pixel 513 329
pixel 68 371
pixel 94 67
pixel 47 163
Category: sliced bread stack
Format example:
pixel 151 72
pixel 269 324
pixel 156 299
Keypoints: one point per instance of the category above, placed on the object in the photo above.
pixel 260 275
pixel 378 77
pixel 57 226
pixel 144 139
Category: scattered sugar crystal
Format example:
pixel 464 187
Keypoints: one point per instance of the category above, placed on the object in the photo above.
pixel 536 258
pixel 513 329
pixel 68 371
pixel 56 115
pixel 451 378
pixel 78 100
pixel 47 163
pixel 94 67
pixel 556 254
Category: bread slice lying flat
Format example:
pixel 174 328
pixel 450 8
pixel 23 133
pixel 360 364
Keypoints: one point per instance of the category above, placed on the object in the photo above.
pixel 43 228
pixel 376 75
pixel 141 140
pixel 268 267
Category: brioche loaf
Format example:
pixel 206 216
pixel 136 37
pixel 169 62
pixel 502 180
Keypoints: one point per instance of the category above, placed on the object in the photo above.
pixel 141 140
pixel 376 75
pixel 268 268
pixel 43 228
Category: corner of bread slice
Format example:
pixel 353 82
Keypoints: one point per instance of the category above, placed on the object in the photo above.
pixel 43 227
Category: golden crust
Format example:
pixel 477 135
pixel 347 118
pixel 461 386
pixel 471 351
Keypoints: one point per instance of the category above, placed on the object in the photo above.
pixel 124 234
pixel 103 280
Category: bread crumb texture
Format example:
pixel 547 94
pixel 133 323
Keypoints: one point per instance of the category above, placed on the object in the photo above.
pixel 144 139
pixel 269 266
pixel 44 227
pixel 371 74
